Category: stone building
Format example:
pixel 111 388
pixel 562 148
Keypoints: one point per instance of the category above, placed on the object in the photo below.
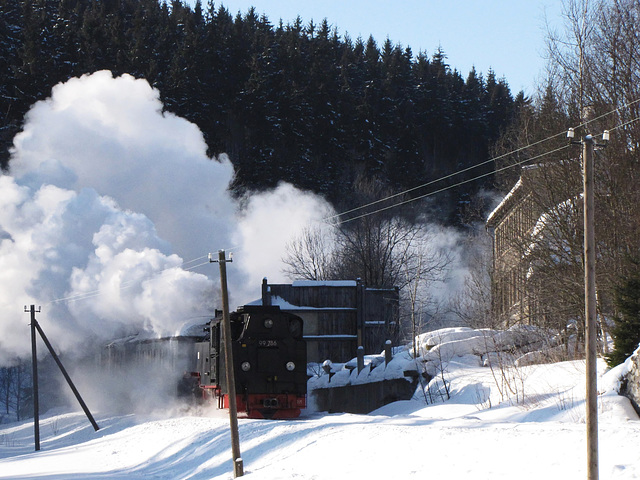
pixel 631 381
pixel 536 232
pixel 513 219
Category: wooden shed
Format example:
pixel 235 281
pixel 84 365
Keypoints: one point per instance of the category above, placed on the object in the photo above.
pixel 339 316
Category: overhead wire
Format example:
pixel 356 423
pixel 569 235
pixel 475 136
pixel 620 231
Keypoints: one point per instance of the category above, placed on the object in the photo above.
pixel 454 185
pixel 99 292
pixel 458 172
pixel 625 124
pixel 431 182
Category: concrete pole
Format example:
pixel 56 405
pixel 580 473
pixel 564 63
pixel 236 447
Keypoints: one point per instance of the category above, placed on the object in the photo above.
pixel 229 370
pixel 66 376
pixel 590 309
pixel 34 379
pixel 360 358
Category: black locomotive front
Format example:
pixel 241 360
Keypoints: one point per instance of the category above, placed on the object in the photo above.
pixel 270 362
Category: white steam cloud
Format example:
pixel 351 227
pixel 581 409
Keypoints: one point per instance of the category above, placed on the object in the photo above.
pixel 108 201
pixel 268 222
pixel 111 135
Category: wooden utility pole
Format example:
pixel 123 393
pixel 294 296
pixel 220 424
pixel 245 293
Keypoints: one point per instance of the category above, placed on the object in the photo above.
pixel 590 308
pixel 591 344
pixel 229 370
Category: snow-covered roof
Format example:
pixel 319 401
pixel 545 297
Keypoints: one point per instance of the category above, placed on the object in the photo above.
pixel 284 305
pixel 324 283
pixel 493 215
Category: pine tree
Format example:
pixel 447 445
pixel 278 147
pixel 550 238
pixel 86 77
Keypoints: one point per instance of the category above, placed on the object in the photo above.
pixel 287 103
pixel 10 30
pixel 626 329
pixel 397 115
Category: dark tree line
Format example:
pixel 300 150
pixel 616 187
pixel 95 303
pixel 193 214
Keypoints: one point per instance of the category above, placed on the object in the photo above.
pixel 15 391
pixel 287 102
pixel 626 325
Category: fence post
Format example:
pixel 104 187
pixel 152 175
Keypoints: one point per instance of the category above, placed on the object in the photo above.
pixel 387 352
pixel 360 358
pixel 326 366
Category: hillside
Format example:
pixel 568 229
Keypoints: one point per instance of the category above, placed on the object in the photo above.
pixel 295 103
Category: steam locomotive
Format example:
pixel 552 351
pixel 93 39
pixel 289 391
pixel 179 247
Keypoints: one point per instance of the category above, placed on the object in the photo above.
pixel 269 360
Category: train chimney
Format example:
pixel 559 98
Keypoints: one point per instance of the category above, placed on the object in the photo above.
pixel 266 295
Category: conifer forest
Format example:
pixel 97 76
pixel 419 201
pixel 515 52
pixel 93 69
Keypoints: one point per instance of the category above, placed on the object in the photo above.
pixel 296 102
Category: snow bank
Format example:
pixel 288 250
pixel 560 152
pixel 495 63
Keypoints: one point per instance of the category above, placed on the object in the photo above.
pixel 438 348
pixel 485 368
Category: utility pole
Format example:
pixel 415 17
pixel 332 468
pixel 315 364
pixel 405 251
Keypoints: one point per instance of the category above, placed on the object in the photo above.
pixel 35 326
pixel 589 144
pixel 34 379
pixel 590 308
pixel 229 370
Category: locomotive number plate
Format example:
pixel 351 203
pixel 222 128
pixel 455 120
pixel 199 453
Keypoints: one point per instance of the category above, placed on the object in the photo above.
pixel 268 343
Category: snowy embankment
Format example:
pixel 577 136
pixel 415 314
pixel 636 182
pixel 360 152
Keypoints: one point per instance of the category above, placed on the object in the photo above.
pixel 483 431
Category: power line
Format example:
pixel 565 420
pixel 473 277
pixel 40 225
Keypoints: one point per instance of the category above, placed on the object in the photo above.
pixel 493 159
pixel 441 178
pixel 194 260
pixel 454 185
pixel 625 124
pixel 98 292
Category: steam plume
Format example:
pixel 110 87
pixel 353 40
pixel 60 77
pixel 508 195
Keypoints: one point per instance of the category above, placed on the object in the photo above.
pixel 107 199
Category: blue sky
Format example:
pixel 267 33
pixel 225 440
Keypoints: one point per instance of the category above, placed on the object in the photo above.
pixel 506 35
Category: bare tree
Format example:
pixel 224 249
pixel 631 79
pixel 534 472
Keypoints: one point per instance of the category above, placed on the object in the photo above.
pixel 593 62
pixel 599 54
pixel 426 267
pixel 311 256
pixel 378 249
pixel 14 388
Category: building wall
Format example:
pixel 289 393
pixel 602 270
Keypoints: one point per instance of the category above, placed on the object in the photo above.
pixel 339 316
pixel 512 224
pixel 534 218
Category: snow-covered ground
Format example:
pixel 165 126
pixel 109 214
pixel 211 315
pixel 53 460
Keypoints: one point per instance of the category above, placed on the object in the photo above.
pixel 482 432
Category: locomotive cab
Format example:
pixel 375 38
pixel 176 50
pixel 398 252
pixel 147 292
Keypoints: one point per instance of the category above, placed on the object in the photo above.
pixel 269 357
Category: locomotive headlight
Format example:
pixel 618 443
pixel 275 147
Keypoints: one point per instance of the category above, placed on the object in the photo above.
pixel 268 323
pixel 291 366
pixel 245 366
